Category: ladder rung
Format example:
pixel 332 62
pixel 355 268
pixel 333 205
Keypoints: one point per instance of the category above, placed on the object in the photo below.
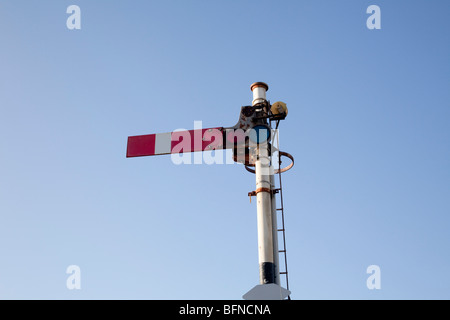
pixel 282 250
pixel 279 209
pixel 280 230
pixel 283 272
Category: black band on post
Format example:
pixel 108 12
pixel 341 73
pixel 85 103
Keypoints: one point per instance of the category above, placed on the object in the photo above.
pixel 267 272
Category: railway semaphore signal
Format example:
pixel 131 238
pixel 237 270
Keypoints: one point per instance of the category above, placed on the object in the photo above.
pixel 252 141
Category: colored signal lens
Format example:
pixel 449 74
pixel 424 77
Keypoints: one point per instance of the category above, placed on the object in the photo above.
pixel 259 134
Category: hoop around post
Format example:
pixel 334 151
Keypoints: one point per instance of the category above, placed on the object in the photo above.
pixel 284 154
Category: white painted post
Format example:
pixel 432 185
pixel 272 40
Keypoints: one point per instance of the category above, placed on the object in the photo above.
pixel 269 274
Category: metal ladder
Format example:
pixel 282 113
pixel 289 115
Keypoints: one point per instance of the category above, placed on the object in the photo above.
pixel 282 250
pixel 279 190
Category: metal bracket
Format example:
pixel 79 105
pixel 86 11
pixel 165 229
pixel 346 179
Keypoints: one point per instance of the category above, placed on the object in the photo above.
pixel 254 193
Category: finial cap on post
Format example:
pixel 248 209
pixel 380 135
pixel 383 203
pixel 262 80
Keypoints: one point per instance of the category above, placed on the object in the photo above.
pixel 259 92
pixel 259 84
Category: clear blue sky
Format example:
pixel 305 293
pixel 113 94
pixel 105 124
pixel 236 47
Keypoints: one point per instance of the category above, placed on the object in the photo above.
pixel 368 125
